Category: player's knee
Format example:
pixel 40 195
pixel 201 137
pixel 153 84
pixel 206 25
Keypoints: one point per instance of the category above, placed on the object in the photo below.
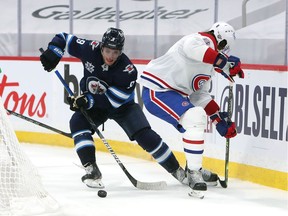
pixel 78 123
pixel 150 141
pixel 147 139
pixel 194 118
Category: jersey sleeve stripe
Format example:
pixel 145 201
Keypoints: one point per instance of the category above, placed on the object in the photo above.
pixel 161 82
pixel 117 93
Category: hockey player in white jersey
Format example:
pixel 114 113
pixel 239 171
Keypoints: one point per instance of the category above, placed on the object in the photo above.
pixel 175 89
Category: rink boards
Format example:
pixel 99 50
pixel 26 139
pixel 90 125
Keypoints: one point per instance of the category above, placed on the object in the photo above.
pixel 257 154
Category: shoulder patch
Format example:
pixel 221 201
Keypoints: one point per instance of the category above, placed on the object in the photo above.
pixel 206 41
pixel 129 69
pixel 94 44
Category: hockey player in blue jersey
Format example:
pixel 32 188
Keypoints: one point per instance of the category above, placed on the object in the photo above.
pixel 107 93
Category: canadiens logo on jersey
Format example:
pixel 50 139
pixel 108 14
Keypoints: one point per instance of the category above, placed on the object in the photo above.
pixel 199 80
pixel 94 44
pixel 129 69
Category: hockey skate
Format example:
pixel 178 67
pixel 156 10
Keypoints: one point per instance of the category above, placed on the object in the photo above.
pixel 196 183
pixel 209 177
pixel 93 176
pixel 180 175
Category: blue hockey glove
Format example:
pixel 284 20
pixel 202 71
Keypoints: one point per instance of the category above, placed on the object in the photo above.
pixel 85 101
pixel 228 67
pixel 51 57
pixel 224 126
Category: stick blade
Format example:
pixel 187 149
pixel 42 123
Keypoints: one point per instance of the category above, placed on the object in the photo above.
pixel 222 183
pixel 161 185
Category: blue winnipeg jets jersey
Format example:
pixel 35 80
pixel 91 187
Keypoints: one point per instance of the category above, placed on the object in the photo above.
pixel 120 77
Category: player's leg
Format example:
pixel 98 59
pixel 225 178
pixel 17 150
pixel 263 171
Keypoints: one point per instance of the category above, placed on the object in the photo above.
pixel 136 126
pixel 193 120
pixel 169 106
pixel 85 149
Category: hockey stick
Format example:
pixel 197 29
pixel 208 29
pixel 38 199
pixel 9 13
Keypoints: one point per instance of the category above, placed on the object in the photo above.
pixel 39 123
pixel 224 183
pixel 230 98
pixel 69 135
pixel 138 184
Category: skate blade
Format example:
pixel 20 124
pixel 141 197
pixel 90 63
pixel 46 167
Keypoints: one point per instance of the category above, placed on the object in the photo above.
pixel 97 183
pixel 196 194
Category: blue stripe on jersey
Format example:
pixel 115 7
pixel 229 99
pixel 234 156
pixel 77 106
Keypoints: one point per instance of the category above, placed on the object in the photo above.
pixel 150 80
pixel 117 97
pixel 68 41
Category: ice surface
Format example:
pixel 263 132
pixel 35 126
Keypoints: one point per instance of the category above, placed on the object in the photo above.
pixel 62 179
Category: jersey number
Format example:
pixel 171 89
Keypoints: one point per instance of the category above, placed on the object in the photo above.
pixel 131 84
pixel 80 41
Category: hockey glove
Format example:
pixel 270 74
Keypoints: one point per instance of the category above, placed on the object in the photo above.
pixel 82 101
pixel 224 126
pixel 51 57
pixel 228 67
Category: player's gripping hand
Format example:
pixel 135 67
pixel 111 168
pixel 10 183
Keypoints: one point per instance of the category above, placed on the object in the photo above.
pixel 228 66
pixel 235 67
pixel 51 57
pixel 84 101
pixel 224 126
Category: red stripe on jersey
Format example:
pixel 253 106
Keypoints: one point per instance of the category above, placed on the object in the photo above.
pixel 163 106
pixel 210 56
pixel 164 83
pixel 199 142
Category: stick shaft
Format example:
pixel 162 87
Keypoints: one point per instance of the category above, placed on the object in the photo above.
pixel 227 150
pixel 39 123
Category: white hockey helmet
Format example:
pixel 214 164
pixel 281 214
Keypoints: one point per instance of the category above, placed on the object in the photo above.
pixel 225 36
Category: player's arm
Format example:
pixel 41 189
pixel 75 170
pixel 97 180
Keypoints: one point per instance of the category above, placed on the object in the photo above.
pixel 196 49
pixel 224 125
pixel 99 94
pixel 55 50
pixel 124 91
pixel 202 98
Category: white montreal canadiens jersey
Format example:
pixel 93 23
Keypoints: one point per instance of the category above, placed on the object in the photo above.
pixel 182 68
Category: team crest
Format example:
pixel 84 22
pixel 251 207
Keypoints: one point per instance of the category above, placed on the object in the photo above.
pixel 198 81
pixel 185 103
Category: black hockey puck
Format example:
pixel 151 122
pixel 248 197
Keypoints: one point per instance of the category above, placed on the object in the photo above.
pixel 102 193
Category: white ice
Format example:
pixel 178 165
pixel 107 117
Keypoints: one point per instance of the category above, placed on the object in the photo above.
pixel 62 179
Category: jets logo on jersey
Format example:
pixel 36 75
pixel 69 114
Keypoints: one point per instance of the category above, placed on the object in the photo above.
pixel 198 81
pixel 129 69
pixel 89 67
pixel 94 44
